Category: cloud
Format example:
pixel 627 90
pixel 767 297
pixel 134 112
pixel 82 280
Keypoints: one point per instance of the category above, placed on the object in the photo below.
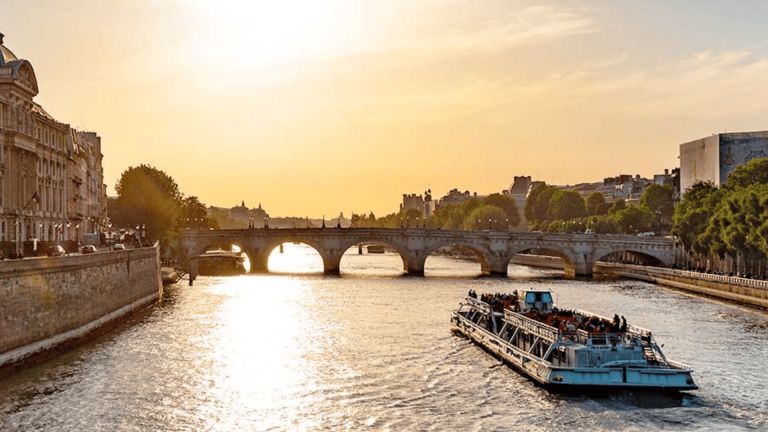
pixel 524 27
pixel 533 25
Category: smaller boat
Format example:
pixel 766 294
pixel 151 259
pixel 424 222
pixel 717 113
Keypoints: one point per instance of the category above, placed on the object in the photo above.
pixel 220 263
pixel 375 249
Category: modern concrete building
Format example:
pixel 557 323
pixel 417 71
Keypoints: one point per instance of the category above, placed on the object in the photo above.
pixel 51 178
pixel 713 158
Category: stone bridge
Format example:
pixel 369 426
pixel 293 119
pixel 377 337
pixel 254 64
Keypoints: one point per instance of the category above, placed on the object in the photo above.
pixel 494 249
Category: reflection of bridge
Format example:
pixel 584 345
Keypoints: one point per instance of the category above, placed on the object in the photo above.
pixel 494 249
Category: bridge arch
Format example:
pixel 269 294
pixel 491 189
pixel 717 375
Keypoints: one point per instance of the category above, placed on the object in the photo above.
pixel 642 257
pixel 399 247
pixel 486 266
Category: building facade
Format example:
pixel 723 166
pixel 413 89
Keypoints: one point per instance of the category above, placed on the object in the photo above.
pixel 423 204
pixel 713 158
pixel 51 183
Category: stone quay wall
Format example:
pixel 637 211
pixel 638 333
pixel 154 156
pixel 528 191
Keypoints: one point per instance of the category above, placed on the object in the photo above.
pixel 538 261
pixel 48 305
pixel 742 290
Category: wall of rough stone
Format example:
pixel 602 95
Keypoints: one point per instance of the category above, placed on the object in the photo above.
pixel 47 303
pixel 742 290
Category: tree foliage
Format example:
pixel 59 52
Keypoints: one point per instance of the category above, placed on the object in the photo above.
pixel 754 172
pixel 150 198
pixel 566 205
pixel 658 200
pixel 486 217
pixel 506 204
pixel 537 203
pixel 692 215
pixel 596 204
pixel 147 197
pixel 617 206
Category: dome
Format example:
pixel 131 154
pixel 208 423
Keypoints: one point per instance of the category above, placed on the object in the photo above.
pixel 5 54
pixel 21 71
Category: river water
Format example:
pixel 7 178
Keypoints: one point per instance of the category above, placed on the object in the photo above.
pixel 373 350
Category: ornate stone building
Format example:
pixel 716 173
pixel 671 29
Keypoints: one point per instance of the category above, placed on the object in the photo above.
pixel 51 180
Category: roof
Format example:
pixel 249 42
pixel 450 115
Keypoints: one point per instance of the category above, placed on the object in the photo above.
pixel 6 55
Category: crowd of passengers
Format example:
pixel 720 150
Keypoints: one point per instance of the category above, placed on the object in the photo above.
pixel 563 320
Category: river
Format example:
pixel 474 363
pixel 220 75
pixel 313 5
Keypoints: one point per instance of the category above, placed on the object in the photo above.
pixel 373 350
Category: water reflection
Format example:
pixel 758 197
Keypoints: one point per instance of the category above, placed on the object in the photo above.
pixel 375 352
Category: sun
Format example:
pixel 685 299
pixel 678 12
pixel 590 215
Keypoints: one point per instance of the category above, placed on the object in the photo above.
pixel 258 33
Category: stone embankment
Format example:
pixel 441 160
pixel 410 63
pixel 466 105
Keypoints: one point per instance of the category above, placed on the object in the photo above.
pixel 49 305
pixel 742 290
pixel 748 291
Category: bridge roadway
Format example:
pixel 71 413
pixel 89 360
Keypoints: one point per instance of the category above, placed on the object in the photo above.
pixel 494 249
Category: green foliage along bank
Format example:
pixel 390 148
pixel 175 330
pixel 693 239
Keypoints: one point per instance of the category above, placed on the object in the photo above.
pixel 150 198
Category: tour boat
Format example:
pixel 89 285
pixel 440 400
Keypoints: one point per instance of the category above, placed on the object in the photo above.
pixel 220 263
pixel 375 249
pixel 568 349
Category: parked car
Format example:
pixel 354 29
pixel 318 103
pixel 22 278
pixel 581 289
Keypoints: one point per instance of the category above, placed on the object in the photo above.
pixel 56 251
pixel 87 249
pixel 118 246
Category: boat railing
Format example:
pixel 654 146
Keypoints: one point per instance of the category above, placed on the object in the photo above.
pixel 678 365
pixel 639 331
pixel 531 326
pixel 479 304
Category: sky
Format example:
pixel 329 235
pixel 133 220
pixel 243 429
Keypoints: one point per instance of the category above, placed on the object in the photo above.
pixel 312 108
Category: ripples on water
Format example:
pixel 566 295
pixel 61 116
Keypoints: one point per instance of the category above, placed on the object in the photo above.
pixel 373 350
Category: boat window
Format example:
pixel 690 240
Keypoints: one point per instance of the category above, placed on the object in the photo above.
pixel 530 297
pixel 546 297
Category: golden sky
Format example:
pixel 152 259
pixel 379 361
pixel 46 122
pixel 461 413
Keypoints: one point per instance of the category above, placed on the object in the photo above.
pixel 315 107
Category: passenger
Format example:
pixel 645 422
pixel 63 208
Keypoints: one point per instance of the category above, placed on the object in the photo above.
pixel 623 324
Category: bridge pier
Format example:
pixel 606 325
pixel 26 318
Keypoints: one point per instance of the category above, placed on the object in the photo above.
pixel 413 263
pixel 580 266
pixel 331 261
pixel 259 261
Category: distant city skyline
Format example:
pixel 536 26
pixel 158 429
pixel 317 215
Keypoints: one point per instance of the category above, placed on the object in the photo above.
pixel 312 108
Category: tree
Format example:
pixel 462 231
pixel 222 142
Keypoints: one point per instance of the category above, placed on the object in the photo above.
pixel 617 206
pixel 658 200
pixel 740 224
pixel 596 204
pixel 754 172
pixel 537 203
pixel 634 219
pixel 505 203
pixel 692 215
pixel 411 217
pixel 566 205
pixel 150 198
pixel 486 217
pixel 194 215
